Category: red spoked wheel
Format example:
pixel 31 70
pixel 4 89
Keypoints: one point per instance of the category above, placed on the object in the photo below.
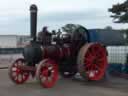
pixel 92 61
pixel 17 75
pixel 47 73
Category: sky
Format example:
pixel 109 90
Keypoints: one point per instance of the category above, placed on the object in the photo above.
pixel 15 14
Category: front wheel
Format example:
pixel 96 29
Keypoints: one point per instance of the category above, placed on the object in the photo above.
pixel 16 74
pixel 47 73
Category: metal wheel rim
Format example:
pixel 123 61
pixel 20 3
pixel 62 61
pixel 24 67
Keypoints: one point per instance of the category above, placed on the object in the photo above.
pixel 16 74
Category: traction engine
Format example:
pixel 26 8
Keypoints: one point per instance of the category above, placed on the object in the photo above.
pixel 70 53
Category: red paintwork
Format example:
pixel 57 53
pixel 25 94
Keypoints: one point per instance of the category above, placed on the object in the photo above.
pixel 20 75
pixel 56 52
pixel 27 68
pixel 48 69
pixel 95 61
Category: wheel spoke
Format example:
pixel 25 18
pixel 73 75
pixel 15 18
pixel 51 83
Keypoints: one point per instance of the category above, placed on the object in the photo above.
pixel 50 79
pixel 96 67
pixel 50 67
pixel 88 61
pixel 14 74
pixel 19 63
pixel 15 78
pixel 14 69
pixel 88 55
pixel 87 66
pixel 23 76
pixel 20 78
pixel 43 79
pixel 91 74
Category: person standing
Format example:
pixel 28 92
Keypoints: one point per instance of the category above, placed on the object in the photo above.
pixel 44 36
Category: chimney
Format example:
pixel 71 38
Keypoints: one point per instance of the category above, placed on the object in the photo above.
pixel 33 21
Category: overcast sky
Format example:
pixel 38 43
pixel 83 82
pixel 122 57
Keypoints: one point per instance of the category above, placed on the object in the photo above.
pixel 14 14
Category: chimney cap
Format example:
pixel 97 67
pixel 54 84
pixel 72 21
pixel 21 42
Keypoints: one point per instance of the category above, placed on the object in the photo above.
pixel 33 7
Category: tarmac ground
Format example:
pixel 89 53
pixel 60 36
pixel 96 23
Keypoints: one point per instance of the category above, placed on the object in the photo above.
pixel 64 87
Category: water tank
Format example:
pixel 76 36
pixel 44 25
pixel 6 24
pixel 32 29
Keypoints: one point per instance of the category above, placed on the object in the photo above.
pixel 106 37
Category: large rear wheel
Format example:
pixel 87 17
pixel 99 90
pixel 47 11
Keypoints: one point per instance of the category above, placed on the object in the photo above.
pixel 92 61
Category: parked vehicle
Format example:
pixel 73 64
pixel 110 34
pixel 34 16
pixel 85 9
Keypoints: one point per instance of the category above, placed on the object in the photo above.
pixel 69 54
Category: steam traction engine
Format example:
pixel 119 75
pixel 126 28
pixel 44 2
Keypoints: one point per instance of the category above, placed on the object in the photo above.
pixel 71 53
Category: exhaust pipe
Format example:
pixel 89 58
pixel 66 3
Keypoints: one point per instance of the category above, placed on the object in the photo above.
pixel 33 21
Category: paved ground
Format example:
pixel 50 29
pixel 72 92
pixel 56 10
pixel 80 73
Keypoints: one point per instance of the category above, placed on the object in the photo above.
pixel 64 87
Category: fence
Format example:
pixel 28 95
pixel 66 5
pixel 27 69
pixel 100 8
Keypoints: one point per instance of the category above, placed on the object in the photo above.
pixel 8 55
pixel 118 59
pixel 10 50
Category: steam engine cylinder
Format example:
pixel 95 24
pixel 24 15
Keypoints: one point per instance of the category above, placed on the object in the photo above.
pixel 56 52
pixel 35 53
